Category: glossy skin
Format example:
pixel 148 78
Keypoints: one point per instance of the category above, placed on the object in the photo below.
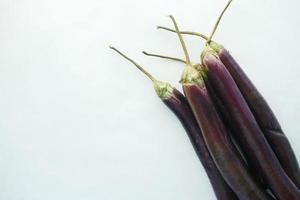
pixel 222 110
pixel 179 106
pixel 220 146
pixel 265 117
pixel 249 134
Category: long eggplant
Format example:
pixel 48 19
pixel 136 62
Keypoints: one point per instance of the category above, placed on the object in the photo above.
pixel 178 104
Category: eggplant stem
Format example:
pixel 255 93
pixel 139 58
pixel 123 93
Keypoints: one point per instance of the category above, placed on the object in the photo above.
pixel 164 57
pixel 136 64
pixel 218 21
pixel 184 32
pixel 186 54
pixel 207 38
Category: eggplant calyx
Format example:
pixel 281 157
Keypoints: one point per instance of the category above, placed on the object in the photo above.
pixel 216 46
pixel 208 50
pixel 191 75
pixel 163 89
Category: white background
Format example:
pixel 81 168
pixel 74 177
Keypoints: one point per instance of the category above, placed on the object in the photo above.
pixel 78 122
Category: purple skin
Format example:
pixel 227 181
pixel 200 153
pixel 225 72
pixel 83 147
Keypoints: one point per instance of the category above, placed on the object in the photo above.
pixel 220 146
pixel 249 134
pixel 223 112
pixel 264 116
pixel 261 111
pixel 179 106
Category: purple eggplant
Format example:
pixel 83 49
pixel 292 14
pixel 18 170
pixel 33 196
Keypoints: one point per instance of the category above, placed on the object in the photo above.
pixel 215 134
pixel 258 105
pixel 249 135
pixel 221 108
pixel 178 104
pixel 180 107
pixel 219 144
pixel 263 115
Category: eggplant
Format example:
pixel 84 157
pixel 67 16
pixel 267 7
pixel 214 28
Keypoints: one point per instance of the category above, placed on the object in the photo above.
pixel 178 104
pixel 248 133
pixel 215 134
pixel 261 110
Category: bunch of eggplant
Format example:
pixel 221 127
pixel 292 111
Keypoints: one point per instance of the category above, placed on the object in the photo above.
pixel 233 130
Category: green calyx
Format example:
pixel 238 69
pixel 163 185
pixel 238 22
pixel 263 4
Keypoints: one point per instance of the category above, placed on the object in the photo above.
pixel 202 69
pixel 163 89
pixel 192 75
pixel 208 49
pixel 215 46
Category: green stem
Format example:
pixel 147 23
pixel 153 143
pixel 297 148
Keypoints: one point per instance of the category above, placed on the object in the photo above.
pixel 136 64
pixel 163 89
pixel 164 57
pixel 186 54
pixel 183 32
pixel 218 21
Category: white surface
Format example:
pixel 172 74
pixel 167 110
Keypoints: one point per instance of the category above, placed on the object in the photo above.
pixel 79 122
